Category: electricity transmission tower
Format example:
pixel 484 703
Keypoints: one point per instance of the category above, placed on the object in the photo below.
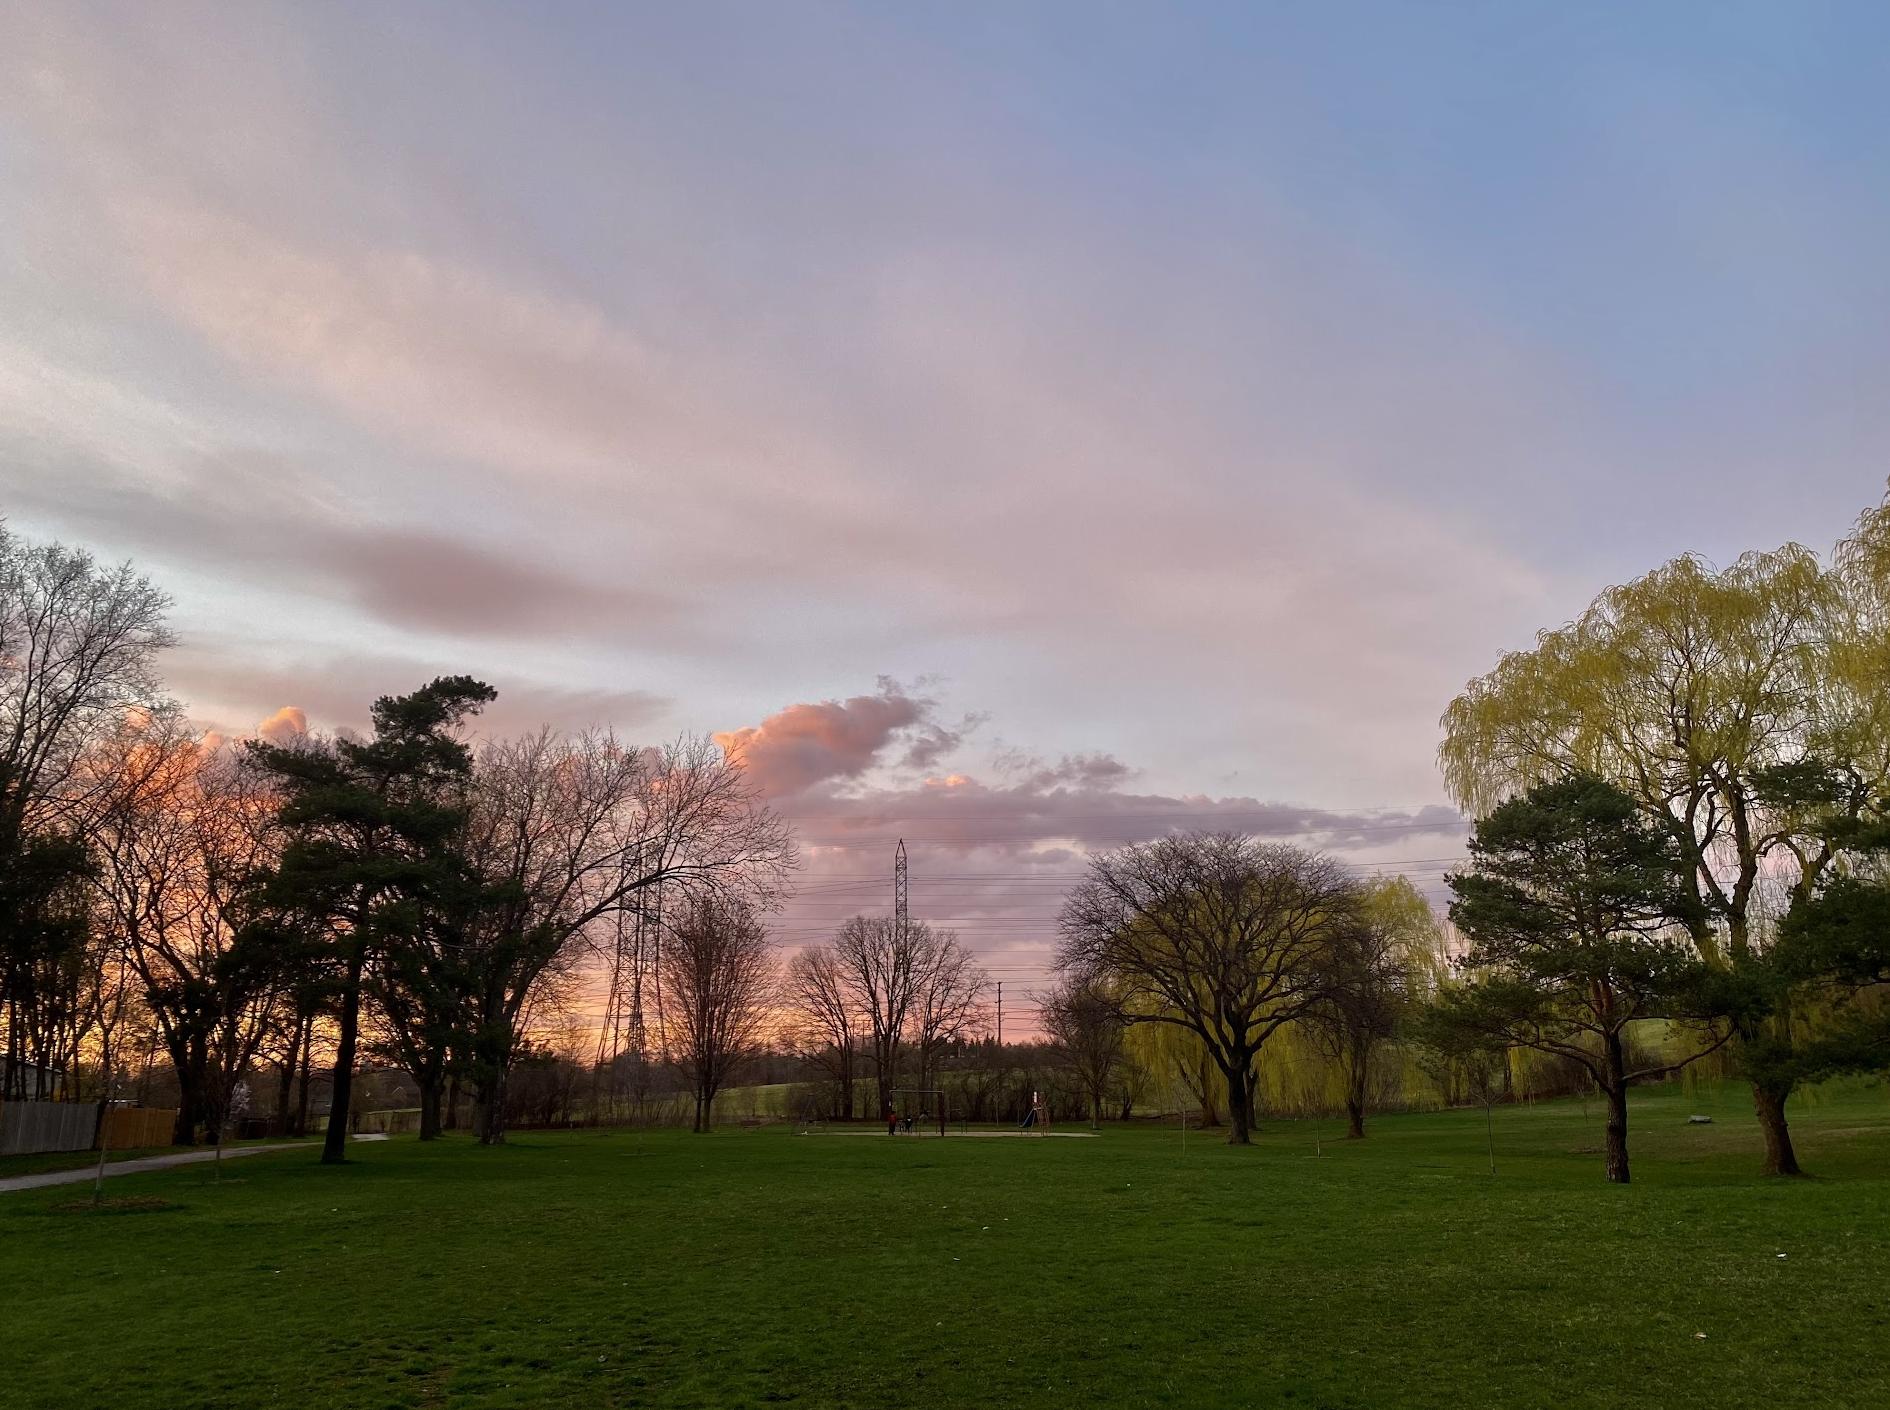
pixel 901 888
pixel 635 981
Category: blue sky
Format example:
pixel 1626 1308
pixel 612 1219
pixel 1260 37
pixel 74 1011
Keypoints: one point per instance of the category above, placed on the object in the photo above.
pixel 1174 403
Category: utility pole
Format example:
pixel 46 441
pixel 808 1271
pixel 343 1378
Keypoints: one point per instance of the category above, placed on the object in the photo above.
pixel 1000 984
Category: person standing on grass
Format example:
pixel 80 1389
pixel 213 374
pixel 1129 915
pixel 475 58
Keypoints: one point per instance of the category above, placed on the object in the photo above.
pixel 892 1120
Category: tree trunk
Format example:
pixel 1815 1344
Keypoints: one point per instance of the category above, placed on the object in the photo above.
pixel 452 1104
pixel 215 1109
pixel 1613 1083
pixel 1617 1134
pixel 489 1108
pixel 430 1109
pixel 885 1079
pixel 190 1065
pixel 285 1082
pixel 335 1142
pixel 302 1084
pixel 492 1059
pixel 1358 1075
pixel 184 1129
pixel 1768 1099
pixel 1239 1106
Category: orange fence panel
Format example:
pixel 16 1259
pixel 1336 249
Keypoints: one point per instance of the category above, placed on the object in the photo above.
pixel 130 1127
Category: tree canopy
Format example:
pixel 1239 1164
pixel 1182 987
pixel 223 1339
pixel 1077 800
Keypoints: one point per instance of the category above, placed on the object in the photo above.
pixel 1714 699
pixel 1216 933
pixel 1581 924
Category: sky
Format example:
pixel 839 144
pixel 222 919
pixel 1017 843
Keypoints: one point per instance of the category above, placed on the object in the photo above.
pixel 1020 428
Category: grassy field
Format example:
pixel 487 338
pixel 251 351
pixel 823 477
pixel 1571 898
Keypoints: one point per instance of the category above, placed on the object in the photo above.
pixel 761 1267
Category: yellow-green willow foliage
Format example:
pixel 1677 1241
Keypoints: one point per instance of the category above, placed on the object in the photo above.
pixel 1682 687
pixel 1181 1075
pixel 1853 703
pixel 1400 908
pixel 1692 688
pixel 1319 1056
pixel 1294 1078
pixel 1296 1073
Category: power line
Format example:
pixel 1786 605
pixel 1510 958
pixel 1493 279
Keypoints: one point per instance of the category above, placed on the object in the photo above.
pixel 865 876
pixel 1175 812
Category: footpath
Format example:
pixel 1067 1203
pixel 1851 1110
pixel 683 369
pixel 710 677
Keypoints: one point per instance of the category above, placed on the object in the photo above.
pixel 134 1167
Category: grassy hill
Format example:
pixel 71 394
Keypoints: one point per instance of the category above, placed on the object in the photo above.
pixel 762 1267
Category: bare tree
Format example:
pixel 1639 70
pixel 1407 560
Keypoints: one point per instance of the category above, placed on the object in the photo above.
pixel 571 830
pixel 1084 1020
pixel 78 649
pixel 823 1026
pixel 875 955
pixel 78 654
pixel 178 848
pixel 1212 932
pixel 907 988
pixel 947 996
pixel 718 980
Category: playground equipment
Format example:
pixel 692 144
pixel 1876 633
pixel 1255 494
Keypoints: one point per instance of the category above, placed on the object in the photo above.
pixel 920 1110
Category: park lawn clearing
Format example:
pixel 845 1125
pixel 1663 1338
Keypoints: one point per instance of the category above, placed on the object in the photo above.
pixel 114 1204
pixel 767 1268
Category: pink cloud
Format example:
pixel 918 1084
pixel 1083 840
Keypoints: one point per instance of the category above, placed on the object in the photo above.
pixel 812 743
pixel 285 726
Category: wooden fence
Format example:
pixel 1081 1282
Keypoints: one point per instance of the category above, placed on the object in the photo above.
pixel 31 1128
pixel 36 1128
pixel 130 1127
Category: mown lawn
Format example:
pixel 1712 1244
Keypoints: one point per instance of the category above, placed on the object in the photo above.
pixel 753 1267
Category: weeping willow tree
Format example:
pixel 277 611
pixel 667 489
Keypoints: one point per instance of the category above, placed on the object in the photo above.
pixel 1215 933
pixel 1179 1067
pixel 1295 1075
pixel 1352 1059
pixel 1695 690
pixel 1376 969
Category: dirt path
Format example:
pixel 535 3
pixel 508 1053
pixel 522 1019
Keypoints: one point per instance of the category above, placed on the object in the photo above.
pixel 134 1167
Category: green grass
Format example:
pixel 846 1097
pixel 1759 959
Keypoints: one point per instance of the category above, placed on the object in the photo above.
pixel 761 1267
